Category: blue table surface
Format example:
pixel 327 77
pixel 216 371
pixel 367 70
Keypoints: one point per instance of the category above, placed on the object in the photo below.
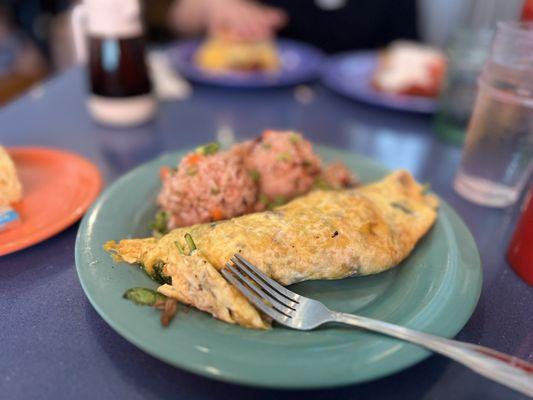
pixel 53 344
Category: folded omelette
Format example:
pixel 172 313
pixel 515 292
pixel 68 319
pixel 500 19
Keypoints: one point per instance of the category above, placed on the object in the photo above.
pixel 322 235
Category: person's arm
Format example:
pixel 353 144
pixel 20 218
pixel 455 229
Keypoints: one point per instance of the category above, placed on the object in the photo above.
pixel 187 16
pixel 241 18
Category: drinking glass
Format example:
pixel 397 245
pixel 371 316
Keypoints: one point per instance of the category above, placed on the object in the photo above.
pixel 467 49
pixel 498 153
pixel 467 52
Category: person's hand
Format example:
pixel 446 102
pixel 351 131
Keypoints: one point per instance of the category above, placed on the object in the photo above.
pixel 243 19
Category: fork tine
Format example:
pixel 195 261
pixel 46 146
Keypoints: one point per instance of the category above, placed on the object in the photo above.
pixel 278 296
pixel 276 304
pixel 272 283
pixel 270 311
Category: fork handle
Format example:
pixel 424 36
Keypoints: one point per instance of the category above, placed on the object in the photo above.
pixel 503 368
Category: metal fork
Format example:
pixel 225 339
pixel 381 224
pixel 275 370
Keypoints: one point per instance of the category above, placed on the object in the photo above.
pixel 299 312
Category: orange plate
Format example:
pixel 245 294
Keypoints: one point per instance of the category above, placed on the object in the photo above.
pixel 57 188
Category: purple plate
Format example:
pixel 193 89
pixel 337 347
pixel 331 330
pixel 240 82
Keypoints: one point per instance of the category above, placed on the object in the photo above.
pixel 350 74
pixel 300 63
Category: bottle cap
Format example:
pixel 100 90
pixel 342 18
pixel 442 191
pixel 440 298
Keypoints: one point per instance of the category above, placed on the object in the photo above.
pixel 114 18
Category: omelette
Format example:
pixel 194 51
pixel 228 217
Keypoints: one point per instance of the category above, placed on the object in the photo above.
pixel 322 235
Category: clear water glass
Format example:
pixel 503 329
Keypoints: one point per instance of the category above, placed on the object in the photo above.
pixel 498 155
pixel 467 53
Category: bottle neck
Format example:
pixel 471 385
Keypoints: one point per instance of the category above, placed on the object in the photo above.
pixel 114 18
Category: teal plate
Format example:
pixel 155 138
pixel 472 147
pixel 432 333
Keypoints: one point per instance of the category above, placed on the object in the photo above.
pixel 435 290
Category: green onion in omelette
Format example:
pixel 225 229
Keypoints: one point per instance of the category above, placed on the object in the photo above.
pixel 190 242
pixel 180 249
pixel 158 274
pixel 401 207
pixel 148 297
pixel 143 296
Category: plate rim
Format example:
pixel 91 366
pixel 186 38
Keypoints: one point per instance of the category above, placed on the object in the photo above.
pixel 177 62
pixel 63 223
pixel 413 356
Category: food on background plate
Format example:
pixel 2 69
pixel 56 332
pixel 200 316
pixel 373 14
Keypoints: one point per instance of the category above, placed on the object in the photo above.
pixel 410 68
pixel 326 234
pixel 10 190
pixel 211 184
pixel 222 53
pixel 10 187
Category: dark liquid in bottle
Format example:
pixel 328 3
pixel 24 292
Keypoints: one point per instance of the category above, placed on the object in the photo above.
pixel 118 67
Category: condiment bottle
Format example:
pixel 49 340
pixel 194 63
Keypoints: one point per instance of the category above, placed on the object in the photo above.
pixel 520 253
pixel 119 83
